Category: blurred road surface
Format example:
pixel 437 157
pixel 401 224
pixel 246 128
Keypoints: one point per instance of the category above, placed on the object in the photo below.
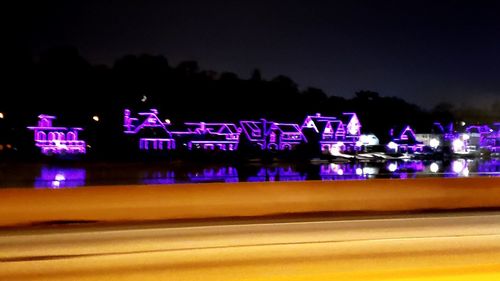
pixel 463 246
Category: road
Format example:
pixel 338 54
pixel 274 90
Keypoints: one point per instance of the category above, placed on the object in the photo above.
pixel 464 246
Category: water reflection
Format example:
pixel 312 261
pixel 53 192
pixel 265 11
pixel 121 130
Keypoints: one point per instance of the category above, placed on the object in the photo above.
pixel 347 171
pixel 65 177
pixel 158 177
pixel 406 168
pixel 51 177
pixel 220 174
pixel 286 173
pixel 460 167
pixel 489 167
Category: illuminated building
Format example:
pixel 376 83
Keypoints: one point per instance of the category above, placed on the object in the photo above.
pixel 340 134
pixel 57 140
pixel 406 142
pixel 272 135
pixel 210 136
pixel 151 130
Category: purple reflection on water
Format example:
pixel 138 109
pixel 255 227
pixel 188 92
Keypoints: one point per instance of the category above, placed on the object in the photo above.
pixel 286 173
pixel 490 166
pixel 222 174
pixel 60 178
pixel 406 169
pixel 344 171
pixel 159 177
pixel 67 177
pixel 459 168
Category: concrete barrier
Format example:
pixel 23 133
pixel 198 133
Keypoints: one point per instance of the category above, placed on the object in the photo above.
pixel 195 201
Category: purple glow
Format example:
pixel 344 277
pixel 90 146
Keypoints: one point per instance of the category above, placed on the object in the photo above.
pixel 149 120
pixel 337 134
pixel 212 136
pixel 222 174
pixel 484 137
pixel 56 140
pixel 406 142
pixel 476 137
pixel 447 134
pixel 60 178
pixel 253 131
pixel 341 134
pixel 311 121
pixel 345 171
pixel 405 169
pixel 277 174
pixel 272 135
pixel 353 126
pixel 406 133
pixel 490 167
pixel 167 177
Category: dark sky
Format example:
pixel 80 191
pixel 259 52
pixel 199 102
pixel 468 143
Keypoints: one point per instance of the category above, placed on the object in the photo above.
pixel 423 51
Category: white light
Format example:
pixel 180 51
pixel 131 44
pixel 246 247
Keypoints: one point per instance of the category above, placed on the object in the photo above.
pixel 144 98
pixel 56 183
pixel 1 115
pixel 465 137
pixel 60 177
pixel 434 143
pixel 340 172
pixel 458 145
pixel 95 118
pixel 359 171
pixel 167 121
pixel 369 171
pixel 465 172
pixel 462 123
pixel 335 149
pixel 392 145
pixel 434 167
pixel 392 167
pixel 359 143
pixel 333 167
pixel 369 139
pixel 353 130
pixel 458 166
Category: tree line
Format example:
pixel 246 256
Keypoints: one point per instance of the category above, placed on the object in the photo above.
pixel 63 83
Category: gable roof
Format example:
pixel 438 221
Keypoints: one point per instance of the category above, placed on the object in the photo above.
pixel 287 128
pixel 407 136
pixel 337 126
pixel 351 119
pixel 213 128
pixel 250 127
pixel 317 122
pixel 151 120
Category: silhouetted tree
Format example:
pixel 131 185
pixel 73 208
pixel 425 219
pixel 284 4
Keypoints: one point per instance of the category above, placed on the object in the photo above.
pixel 256 75
pixel 63 83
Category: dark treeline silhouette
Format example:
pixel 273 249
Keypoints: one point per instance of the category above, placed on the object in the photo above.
pixel 63 83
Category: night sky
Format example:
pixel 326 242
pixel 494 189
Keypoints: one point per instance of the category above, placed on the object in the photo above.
pixel 423 51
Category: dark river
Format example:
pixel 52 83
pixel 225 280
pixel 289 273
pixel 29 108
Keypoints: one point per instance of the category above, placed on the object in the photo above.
pixel 79 175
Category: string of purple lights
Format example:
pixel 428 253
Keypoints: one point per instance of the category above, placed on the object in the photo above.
pixel 336 135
